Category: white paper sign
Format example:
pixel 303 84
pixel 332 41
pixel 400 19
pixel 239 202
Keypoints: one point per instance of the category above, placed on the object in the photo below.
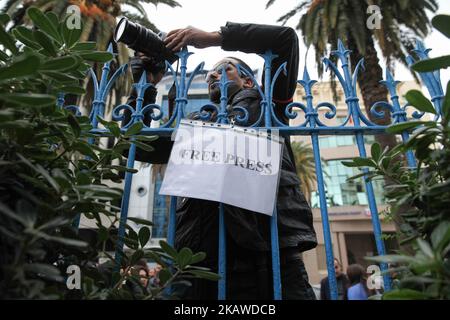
pixel 233 165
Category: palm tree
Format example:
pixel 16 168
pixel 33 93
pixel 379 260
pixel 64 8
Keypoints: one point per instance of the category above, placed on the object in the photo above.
pixel 326 21
pixel 99 22
pixel 306 171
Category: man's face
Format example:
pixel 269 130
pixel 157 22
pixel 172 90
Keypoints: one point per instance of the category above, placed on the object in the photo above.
pixel 143 277
pixel 213 79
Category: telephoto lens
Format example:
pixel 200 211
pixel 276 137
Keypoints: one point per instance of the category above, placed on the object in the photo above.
pixel 143 40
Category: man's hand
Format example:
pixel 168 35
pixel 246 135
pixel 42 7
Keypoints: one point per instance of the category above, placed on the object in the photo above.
pixel 152 77
pixel 190 36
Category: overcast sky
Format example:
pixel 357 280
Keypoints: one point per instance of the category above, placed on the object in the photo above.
pixel 209 15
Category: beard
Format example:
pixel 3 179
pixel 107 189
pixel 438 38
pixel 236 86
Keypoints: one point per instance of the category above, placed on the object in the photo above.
pixel 215 94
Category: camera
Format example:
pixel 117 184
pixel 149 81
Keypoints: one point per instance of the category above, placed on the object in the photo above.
pixel 146 41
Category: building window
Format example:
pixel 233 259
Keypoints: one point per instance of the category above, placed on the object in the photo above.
pixel 340 192
pixel 195 102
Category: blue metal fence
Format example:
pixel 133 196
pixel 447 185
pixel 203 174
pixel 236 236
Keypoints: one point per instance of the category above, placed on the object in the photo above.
pixel 355 123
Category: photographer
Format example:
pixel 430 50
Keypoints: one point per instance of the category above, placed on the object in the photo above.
pixel 249 274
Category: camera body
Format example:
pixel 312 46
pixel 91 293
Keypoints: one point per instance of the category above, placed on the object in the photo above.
pixel 146 41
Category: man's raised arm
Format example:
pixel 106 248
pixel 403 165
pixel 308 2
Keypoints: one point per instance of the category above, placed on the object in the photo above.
pixel 249 38
pixel 258 38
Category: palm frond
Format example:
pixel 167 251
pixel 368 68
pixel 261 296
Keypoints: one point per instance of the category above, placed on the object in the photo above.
pixel 142 21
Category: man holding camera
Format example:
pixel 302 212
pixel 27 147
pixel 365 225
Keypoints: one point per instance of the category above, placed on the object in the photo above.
pixel 249 268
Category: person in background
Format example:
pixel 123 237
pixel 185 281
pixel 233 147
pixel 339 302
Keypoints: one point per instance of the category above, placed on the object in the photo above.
pixel 358 283
pixel 341 280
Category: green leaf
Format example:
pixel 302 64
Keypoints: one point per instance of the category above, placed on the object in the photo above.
pixel 391 258
pixel 85 46
pixel 12 215
pixel 198 257
pixel 103 234
pixel 146 138
pixel 43 22
pixel 400 127
pixel 404 294
pixel 144 236
pixel 419 101
pixel 131 243
pixel 71 35
pixel 61 77
pixel 25 36
pixel 29 100
pixel 3 56
pixel 156 257
pixel 53 18
pixel 137 255
pixel 446 103
pixel 69 242
pixel 143 146
pixel 442 23
pixel 364 162
pixel 83 178
pixel 123 168
pixel 164 275
pixel 425 248
pixel 349 164
pixel 20 68
pixel 74 125
pixel 432 64
pixel 73 90
pixel 48 177
pixel 134 129
pixel 168 249
pixel 41 268
pixel 7 40
pixel 85 149
pixel 45 42
pixel 4 18
pixel 375 151
pixel 205 275
pixel 184 257
pixel 96 56
pixel 60 64
pixel 112 126
pixel 441 236
pixel 140 221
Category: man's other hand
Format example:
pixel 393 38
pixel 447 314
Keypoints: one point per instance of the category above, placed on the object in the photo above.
pixel 139 64
pixel 190 36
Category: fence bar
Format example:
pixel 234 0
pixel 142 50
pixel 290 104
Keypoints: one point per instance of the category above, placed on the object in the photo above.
pixel 325 222
pixel 125 206
pixel 274 242
pixel 221 295
pixel 277 293
pixel 374 215
pixel 172 221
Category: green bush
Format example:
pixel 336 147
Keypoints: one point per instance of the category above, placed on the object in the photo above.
pixel 50 175
pixel 419 197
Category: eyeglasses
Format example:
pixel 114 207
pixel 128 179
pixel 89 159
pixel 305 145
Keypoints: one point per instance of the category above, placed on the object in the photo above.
pixel 228 66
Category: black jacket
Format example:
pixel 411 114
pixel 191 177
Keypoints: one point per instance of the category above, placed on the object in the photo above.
pixel 197 220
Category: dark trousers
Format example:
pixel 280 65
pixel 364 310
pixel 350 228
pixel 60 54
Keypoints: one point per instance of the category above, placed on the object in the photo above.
pixel 249 277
